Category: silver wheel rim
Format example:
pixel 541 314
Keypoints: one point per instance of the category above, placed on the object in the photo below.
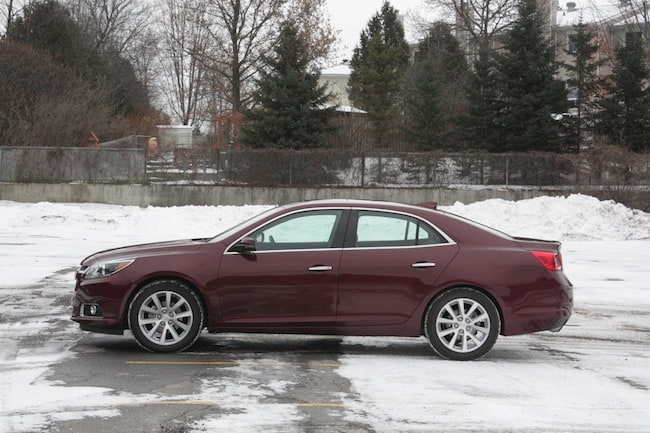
pixel 463 325
pixel 165 318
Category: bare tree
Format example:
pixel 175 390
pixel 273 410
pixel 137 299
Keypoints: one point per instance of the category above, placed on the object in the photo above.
pixel 117 25
pixel 8 11
pixel 218 47
pixel 241 32
pixel 121 27
pixel 313 22
pixel 477 21
pixel 43 103
pixel 184 41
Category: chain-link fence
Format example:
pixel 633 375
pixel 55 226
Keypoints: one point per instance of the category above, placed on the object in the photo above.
pixel 322 167
pixel 342 168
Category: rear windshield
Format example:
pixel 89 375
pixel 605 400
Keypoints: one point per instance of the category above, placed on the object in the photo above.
pixel 478 225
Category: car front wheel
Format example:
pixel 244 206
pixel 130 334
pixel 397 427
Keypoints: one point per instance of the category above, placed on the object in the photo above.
pixel 462 324
pixel 165 316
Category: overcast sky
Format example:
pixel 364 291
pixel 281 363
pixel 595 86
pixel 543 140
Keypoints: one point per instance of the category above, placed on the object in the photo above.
pixel 350 17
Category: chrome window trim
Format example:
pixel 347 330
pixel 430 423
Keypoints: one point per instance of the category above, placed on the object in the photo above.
pixel 343 209
pixel 288 251
pixel 448 238
pixel 450 241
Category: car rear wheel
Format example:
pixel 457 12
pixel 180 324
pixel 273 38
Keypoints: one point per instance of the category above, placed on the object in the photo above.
pixel 166 316
pixel 462 324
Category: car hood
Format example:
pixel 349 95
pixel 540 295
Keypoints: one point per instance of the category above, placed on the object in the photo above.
pixel 146 250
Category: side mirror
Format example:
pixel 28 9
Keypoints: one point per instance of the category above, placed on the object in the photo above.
pixel 244 246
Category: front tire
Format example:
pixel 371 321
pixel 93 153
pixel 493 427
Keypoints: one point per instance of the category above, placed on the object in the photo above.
pixel 166 316
pixel 462 324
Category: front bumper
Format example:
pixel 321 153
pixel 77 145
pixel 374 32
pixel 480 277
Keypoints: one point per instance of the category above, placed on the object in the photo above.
pixel 98 305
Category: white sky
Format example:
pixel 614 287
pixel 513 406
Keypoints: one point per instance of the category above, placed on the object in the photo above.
pixel 350 17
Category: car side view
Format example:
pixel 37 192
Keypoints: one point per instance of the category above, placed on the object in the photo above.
pixel 331 267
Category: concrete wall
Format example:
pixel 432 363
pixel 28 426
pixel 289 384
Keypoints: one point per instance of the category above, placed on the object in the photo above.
pixel 72 164
pixel 179 195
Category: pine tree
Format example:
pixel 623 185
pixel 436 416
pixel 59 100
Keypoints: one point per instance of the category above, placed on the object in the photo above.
pixel 378 65
pixel 291 107
pixel 583 77
pixel 433 89
pixel 482 95
pixel 530 97
pixel 625 115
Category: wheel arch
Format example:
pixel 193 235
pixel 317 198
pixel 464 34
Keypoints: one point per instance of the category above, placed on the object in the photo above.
pixel 189 284
pixel 462 286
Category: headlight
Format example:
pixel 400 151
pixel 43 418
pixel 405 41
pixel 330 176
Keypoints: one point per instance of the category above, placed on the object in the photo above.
pixel 104 269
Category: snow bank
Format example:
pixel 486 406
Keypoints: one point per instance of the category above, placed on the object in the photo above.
pixel 577 217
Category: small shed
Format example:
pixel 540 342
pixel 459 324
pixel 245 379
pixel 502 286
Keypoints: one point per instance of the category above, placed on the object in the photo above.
pixel 172 137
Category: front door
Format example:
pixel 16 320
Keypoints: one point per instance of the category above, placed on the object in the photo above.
pixel 292 275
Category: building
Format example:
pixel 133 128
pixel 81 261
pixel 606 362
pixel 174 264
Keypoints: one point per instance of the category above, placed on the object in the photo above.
pixel 610 20
pixel 336 79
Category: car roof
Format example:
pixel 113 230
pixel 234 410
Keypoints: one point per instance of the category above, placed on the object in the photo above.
pixel 360 203
pixel 452 224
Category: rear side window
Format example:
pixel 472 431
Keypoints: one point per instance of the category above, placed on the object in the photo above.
pixel 383 229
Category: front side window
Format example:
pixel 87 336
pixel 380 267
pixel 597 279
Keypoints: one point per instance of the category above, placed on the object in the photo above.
pixel 304 230
pixel 382 229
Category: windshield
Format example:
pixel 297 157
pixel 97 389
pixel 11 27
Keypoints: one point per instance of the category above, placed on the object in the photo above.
pixel 234 229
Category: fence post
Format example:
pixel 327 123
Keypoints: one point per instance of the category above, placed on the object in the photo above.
pixel 363 169
pixel 507 174
pixel 291 166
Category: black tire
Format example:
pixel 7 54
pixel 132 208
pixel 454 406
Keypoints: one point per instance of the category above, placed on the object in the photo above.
pixel 462 324
pixel 166 316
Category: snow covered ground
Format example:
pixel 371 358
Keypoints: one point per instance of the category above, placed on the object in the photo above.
pixel 593 376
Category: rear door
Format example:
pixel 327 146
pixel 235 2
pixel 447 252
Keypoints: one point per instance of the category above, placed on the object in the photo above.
pixel 390 262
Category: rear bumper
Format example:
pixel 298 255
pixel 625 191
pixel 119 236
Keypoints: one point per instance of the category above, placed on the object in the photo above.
pixel 548 311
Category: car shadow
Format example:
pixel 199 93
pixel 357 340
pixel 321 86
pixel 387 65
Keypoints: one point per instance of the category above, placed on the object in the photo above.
pixel 245 345
pixel 236 346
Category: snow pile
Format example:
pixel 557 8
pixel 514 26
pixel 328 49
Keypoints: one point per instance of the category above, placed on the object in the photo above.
pixel 577 217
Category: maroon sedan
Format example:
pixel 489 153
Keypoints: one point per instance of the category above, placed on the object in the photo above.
pixel 339 267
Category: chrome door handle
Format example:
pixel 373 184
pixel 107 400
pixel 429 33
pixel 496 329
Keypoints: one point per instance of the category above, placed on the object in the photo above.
pixel 419 265
pixel 320 268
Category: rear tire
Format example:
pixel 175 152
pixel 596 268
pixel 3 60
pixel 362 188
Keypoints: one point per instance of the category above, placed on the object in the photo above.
pixel 166 316
pixel 462 324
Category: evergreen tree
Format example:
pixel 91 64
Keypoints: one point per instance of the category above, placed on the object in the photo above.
pixel 291 108
pixel 433 89
pixel 378 66
pixel 530 97
pixel 625 115
pixel 482 95
pixel 583 77
pixel 48 27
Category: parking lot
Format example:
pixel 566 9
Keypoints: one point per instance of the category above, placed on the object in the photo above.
pixel 593 376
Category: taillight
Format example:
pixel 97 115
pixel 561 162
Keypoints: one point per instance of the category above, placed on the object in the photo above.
pixel 551 261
